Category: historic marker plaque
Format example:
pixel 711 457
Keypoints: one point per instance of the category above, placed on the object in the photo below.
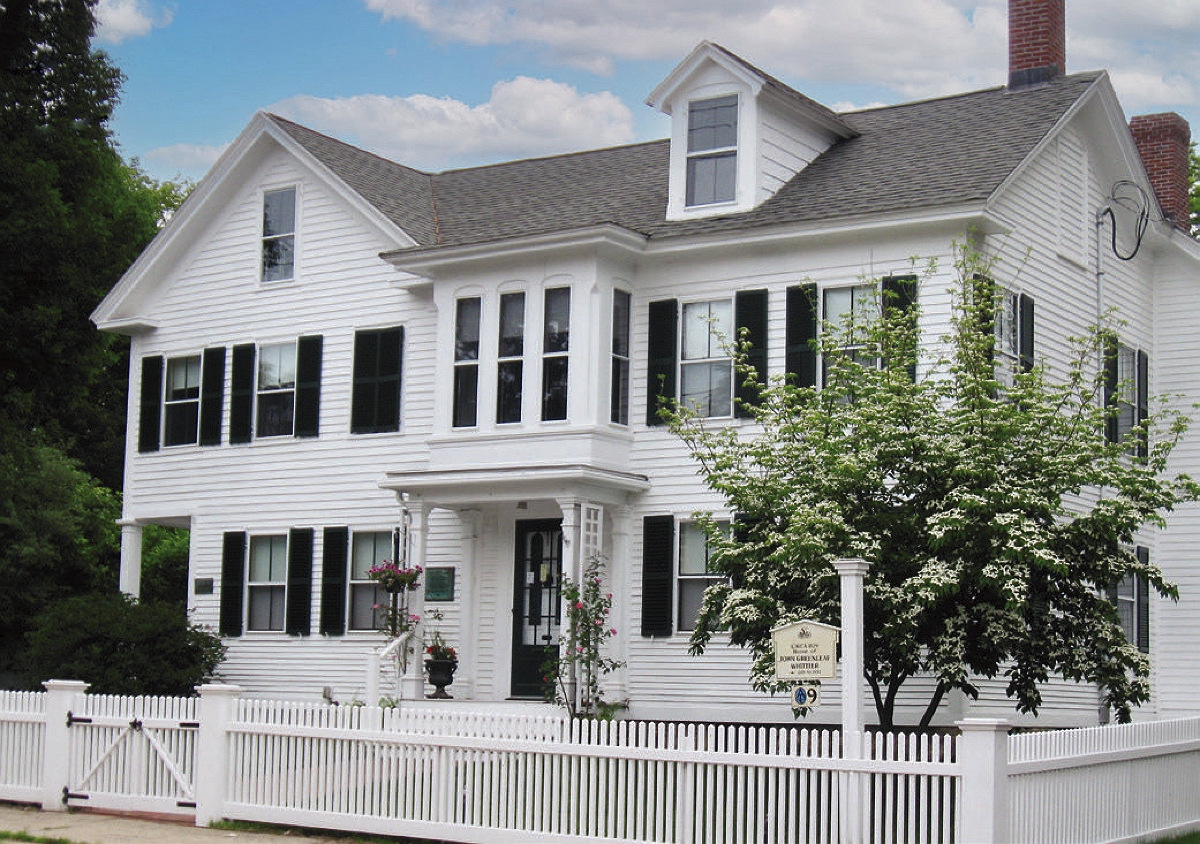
pixel 805 650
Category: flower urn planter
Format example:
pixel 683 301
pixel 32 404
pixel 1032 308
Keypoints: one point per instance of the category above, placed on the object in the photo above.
pixel 441 675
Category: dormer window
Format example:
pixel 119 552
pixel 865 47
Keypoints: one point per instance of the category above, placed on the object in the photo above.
pixel 712 151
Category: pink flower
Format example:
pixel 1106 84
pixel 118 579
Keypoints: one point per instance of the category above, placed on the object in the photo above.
pixel 613 632
pixel 579 605
pixel 599 622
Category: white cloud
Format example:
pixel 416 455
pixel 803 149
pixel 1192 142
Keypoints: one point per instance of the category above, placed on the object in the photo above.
pixel 523 118
pixel 917 48
pixel 120 20
pixel 190 160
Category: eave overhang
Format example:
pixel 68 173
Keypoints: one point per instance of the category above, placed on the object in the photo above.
pixel 467 487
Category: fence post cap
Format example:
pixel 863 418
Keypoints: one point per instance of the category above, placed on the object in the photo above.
pixel 851 566
pixel 219 690
pixel 983 724
pixel 65 685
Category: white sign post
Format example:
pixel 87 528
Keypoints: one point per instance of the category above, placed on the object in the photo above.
pixel 852 573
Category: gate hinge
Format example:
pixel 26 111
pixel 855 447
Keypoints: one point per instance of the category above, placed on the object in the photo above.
pixel 72 720
pixel 69 795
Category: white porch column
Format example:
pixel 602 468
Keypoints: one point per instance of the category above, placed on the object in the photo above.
pixel 130 578
pixel 618 573
pixel 468 611
pixel 412 685
pixel 572 568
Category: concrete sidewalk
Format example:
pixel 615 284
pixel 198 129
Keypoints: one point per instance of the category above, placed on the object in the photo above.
pixel 81 827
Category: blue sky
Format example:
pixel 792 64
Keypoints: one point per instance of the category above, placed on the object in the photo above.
pixel 447 83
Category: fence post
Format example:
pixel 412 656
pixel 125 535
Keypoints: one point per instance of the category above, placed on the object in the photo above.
pixel 983 755
pixel 56 765
pixel 212 750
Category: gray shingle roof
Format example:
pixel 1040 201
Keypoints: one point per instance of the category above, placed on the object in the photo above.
pixel 935 153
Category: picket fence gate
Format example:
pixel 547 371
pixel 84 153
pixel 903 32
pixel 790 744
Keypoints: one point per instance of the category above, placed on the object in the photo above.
pixel 474 776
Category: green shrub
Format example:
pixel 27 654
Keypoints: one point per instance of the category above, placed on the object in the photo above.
pixel 122 646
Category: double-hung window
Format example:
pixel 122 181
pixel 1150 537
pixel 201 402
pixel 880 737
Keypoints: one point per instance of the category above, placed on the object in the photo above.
pixel 1013 327
pixel 695 574
pixel 181 401
pixel 368 600
pixel 705 364
pixel 279 234
pixel 712 151
pixel 266 586
pixel 510 358
pixel 1126 393
pixel 846 311
pixel 556 335
pixel 619 386
pixel 466 362
pixel 276 390
pixel 1131 597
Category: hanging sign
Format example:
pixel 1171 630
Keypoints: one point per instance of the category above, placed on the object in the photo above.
pixel 805 650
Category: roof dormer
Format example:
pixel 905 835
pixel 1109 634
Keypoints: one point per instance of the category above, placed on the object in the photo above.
pixel 737 134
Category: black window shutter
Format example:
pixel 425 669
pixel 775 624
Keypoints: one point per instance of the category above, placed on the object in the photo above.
pixel 1142 594
pixel 233 576
pixel 661 362
pixel 308 386
pixel 375 399
pixel 241 394
pixel 334 554
pixel 1025 332
pixel 1143 402
pixel 150 415
pixel 212 396
pixel 900 293
pixel 298 621
pixel 658 564
pixel 1111 428
pixel 801 357
pixel 750 313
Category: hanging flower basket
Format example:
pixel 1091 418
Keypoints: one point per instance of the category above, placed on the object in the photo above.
pixel 394 578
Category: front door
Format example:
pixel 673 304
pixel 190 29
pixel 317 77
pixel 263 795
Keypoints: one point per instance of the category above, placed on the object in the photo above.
pixel 537 602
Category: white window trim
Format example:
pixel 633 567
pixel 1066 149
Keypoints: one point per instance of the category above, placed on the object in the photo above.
pixel 725 342
pixel 263 281
pixel 168 402
pixel 683 525
pixel 251 584
pixel 351 582
pixel 735 151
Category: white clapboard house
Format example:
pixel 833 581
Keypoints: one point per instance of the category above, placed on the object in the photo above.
pixel 326 344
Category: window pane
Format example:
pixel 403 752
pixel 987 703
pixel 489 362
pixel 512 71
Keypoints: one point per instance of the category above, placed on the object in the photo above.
pixel 554 388
pixel 1127 389
pixel 279 212
pixel 693 549
pixel 620 323
pixel 558 319
pixel 711 178
pixel 512 324
pixel 266 608
pixel 708 387
pixel 268 559
pixel 1006 325
pixel 277 366
pixel 466 383
pixel 183 378
pixel 620 391
pixel 691 594
pixel 366 602
pixel 370 549
pixel 279 258
pixel 712 124
pixel 181 423
pixel 276 412
pixel 508 390
pixel 466 330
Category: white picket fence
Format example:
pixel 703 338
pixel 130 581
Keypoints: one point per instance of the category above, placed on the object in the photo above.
pixel 470 776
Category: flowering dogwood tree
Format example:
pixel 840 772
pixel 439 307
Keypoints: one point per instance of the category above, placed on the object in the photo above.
pixel 993 509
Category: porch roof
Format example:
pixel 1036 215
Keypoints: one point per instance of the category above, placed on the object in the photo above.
pixel 467 487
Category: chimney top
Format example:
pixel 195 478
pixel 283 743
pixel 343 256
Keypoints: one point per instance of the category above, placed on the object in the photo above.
pixel 1037 41
pixel 1163 141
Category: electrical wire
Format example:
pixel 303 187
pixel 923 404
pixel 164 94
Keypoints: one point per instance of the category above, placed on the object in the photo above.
pixel 1139 206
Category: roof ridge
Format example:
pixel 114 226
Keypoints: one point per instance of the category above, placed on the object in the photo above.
pixel 554 156
pixel 1090 75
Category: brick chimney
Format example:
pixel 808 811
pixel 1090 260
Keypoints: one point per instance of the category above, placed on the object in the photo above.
pixel 1162 141
pixel 1037 41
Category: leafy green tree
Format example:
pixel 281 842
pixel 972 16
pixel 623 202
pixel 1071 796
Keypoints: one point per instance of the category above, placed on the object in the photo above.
pixel 1194 193
pixel 58 535
pixel 993 514
pixel 165 564
pixel 122 646
pixel 73 216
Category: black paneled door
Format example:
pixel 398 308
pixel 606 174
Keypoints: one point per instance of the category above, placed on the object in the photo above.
pixel 537 602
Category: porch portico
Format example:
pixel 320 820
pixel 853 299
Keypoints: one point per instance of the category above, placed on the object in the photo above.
pixel 510 563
